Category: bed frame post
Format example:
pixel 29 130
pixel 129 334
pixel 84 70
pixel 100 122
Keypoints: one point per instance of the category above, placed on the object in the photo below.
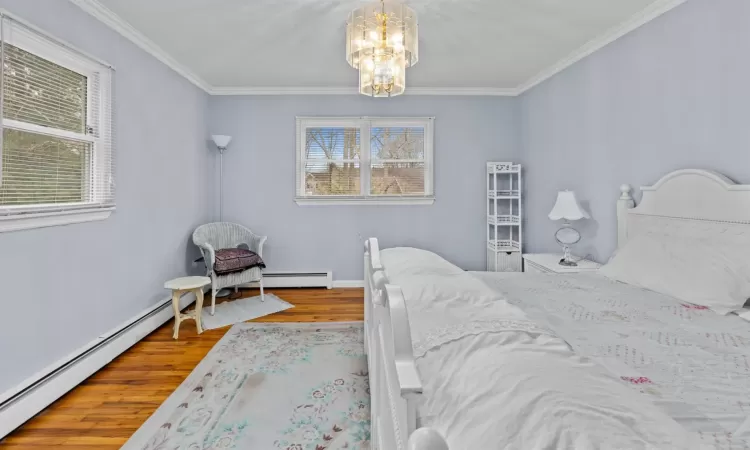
pixel 624 203
pixel 395 386
pixel 368 313
pixel 374 310
pixel 400 385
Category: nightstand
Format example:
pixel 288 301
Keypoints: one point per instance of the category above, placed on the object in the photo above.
pixel 550 263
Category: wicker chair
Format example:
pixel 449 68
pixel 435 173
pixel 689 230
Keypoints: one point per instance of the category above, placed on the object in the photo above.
pixel 221 235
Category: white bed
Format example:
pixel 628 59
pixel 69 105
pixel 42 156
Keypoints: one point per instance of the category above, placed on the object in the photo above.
pixel 690 361
pixel 483 372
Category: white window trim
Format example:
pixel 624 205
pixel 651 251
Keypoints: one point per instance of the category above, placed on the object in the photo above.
pixel 364 124
pixel 28 221
pixel 25 217
pixel 354 201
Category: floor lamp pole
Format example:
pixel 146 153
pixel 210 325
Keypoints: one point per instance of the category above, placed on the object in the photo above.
pixel 221 183
pixel 222 292
pixel 222 142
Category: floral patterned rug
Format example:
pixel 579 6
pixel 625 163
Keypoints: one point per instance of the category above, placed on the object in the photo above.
pixel 268 387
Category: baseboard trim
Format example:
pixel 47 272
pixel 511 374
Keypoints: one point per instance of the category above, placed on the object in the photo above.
pixel 39 391
pixel 349 283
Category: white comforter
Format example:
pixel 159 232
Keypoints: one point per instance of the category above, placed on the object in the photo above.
pixel 495 380
pixel 689 361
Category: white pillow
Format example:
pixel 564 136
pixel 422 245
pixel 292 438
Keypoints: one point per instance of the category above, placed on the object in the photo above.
pixel 690 270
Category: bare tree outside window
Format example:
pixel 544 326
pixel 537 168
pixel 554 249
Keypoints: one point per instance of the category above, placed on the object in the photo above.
pixel 332 156
pixel 364 160
pixel 397 166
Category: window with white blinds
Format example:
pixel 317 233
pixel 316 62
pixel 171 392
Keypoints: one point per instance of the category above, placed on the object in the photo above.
pixel 56 156
pixel 362 160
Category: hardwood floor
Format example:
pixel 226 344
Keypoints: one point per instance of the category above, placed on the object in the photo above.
pixel 103 411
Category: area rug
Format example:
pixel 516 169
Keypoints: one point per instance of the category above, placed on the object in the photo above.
pixel 241 310
pixel 270 386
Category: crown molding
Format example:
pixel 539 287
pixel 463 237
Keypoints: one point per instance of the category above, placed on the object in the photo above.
pixel 117 23
pixel 271 90
pixel 497 92
pixel 349 90
pixel 641 18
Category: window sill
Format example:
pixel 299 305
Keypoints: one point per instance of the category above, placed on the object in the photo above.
pixel 352 201
pixel 27 221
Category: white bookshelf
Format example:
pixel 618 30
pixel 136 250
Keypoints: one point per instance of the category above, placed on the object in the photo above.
pixel 504 224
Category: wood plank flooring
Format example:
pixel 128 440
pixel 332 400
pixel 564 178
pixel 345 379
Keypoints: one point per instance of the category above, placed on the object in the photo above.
pixel 107 408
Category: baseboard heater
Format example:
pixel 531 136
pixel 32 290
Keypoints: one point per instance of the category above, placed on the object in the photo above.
pixel 39 391
pixel 281 279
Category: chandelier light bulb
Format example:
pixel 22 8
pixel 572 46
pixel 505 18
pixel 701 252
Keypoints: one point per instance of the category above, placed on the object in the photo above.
pixel 384 73
pixel 382 42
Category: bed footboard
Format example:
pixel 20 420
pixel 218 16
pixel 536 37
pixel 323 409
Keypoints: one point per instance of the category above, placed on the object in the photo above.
pixel 394 381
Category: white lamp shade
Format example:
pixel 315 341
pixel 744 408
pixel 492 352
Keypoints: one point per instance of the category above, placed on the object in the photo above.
pixel 221 141
pixel 567 207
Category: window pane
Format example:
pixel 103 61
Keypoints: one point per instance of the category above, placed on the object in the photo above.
pixel 397 142
pixel 332 143
pixel 394 178
pixel 331 178
pixel 43 93
pixel 40 169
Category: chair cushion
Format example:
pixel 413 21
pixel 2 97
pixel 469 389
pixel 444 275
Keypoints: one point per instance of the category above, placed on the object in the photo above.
pixel 230 260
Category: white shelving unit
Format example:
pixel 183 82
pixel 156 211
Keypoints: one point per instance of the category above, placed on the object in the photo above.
pixel 504 225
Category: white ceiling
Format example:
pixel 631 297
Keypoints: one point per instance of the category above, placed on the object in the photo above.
pixel 500 46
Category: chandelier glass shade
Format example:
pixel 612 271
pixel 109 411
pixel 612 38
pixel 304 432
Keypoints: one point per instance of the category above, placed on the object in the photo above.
pixel 381 42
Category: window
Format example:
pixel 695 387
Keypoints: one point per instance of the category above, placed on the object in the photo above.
pixel 364 160
pixel 56 153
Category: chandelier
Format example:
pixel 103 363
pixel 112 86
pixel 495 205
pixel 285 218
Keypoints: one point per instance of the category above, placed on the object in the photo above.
pixel 381 41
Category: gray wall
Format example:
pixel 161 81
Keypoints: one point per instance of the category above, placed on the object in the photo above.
pixel 64 286
pixel 259 179
pixel 673 94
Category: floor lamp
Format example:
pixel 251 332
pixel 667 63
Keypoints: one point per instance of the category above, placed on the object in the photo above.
pixel 222 142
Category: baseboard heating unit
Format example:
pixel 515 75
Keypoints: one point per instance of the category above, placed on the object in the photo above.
pixel 39 391
pixel 281 279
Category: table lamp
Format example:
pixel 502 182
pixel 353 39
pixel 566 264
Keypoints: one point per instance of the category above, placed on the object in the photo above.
pixel 567 209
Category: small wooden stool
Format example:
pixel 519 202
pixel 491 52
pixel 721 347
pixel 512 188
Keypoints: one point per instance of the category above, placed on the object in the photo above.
pixel 181 286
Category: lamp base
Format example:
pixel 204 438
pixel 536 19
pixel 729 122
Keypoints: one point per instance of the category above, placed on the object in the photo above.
pixel 567 236
pixel 568 263
pixel 566 260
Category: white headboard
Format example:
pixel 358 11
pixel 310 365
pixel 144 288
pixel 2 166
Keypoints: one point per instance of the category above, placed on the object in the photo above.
pixel 691 203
